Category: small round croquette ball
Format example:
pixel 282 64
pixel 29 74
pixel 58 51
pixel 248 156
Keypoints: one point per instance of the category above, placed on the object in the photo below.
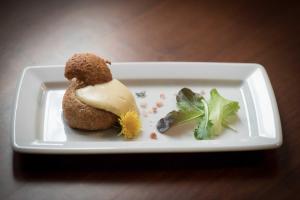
pixel 88 68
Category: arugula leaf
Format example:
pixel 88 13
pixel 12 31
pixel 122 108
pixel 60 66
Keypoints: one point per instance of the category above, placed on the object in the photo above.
pixel 221 112
pixel 190 107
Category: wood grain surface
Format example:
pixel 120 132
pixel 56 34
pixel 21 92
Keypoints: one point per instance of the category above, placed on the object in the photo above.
pixel 48 32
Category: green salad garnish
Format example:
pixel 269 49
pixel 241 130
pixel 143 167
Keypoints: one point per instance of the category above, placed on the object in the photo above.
pixel 211 116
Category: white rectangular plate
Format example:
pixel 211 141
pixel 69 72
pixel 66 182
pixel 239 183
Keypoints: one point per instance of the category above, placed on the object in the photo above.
pixel 38 126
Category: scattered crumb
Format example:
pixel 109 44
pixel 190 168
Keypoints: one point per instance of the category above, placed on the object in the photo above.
pixel 144 113
pixel 143 104
pixel 162 96
pixel 159 104
pixel 150 111
pixel 141 94
pixel 153 136
pixel 154 109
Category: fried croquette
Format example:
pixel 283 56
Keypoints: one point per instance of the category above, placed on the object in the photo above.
pixel 81 116
pixel 83 70
pixel 88 68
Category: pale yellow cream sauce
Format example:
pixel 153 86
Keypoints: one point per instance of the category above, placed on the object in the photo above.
pixel 112 96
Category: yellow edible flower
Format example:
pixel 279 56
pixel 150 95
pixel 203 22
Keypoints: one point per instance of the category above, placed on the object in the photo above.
pixel 130 124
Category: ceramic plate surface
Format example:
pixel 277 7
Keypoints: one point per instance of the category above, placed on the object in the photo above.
pixel 38 125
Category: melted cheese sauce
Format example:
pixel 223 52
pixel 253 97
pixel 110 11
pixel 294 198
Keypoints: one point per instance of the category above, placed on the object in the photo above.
pixel 112 96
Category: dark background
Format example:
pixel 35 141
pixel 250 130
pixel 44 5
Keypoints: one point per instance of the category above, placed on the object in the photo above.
pixel 48 32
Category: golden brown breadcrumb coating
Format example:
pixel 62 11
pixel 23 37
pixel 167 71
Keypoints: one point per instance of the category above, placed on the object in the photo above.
pixel 88 68
pixel 81 116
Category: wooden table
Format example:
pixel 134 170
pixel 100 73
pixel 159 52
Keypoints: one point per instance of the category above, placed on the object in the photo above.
pixel 48 32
